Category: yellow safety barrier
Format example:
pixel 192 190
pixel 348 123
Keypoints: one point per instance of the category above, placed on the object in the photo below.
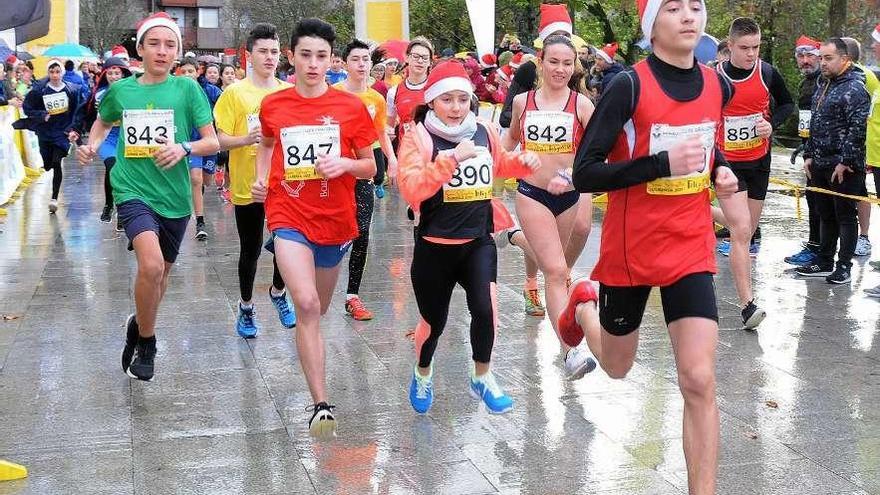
pixel 11 471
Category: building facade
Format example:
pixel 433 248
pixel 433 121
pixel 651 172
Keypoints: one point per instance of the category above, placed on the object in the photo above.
pixel 201 23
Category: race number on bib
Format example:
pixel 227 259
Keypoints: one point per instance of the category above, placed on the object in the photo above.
pixel 663 138
pixel 301 146
pixel 549 132
pixel 472 180
pixel 56 103
pixel 804 118
pixel 741 133
pixel 141 129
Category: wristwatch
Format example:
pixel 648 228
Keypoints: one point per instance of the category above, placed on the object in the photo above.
pixel 187 147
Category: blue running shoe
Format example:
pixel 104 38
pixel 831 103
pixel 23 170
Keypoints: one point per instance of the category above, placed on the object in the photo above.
pixel 380 191
pixel 805 257
pixel 245 325
pixel 421 392
pixel 753 249
pixel 286 313
pixel 724 247
pixel 486 388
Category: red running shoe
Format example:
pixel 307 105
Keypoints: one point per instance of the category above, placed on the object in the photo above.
pixel 581 292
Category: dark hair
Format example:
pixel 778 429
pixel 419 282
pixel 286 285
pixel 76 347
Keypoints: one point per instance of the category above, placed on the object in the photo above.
pixel 261 31
pixel 68 65
pixel 743 26
pixel 853 49
pixel 188 61
pixel 422 42
pixel 555 39
pixel 353 45
pixel 313 28
pixel 723 46
pixel 839 46
pixel 421 111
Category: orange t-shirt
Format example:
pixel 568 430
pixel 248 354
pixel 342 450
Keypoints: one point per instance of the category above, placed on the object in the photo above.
pixel 375 104
pixel 335 123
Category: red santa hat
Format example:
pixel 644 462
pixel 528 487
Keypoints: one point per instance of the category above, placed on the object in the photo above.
pixel 488 60
pixel 608 52
pixel 516 60
pixel 554 18
pixel 807 44
pixel 119 51
pixel 876 33
pixel 445 77
pixel 159 19
pixel 648 10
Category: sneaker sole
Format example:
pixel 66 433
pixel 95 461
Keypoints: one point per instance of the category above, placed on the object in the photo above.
pixel 579 373
pixel 132 375
pixel 839 282
pixel 755 320
pixel 202 237
pixel 476 396
pixel 127 355
pixel 246 336
pixel 814 275
pixel 873 294
pixel 323 428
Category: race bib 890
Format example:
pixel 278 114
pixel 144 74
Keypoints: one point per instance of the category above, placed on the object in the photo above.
pixel 549 132
pixel 741 133
pixel 303 144
pixel 472 180
pixel 663 138
pixel 141 128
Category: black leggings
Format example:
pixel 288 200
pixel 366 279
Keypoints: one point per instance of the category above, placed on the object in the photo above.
pixel 108 191
pixel 381 166
pixel 436 268
pixel 813 215
pixel 363 196
pixel 249 221
pixel 52 156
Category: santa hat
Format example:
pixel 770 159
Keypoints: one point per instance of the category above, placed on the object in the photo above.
pixel 608 52
pixel 876 33
pixel 554 18
pixel 446 77
pixel 648 10
pixel 807 44
pixel 52 62
pixel 516 61
pixel 159 19
pixel 488 60
pixel 119 51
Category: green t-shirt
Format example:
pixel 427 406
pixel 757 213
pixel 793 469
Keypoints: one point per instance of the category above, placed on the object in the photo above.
pixel 167 192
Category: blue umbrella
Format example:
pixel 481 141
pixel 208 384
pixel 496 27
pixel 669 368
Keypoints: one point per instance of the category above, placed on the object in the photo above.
pixel 68 50
pixel 705 51
pixel 5 51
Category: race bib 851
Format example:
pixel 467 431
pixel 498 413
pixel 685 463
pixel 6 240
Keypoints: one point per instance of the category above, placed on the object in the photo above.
pixel 301 145
pixel 741 133
pixel 142 127
pixel 549 132
pixel 472 180
pixel 664 137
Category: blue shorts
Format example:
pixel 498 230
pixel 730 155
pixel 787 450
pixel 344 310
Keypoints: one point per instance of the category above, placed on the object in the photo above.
pixel 326 256
pixel 557 204
pixel 208 164
pixel 108 147
pixel 137 217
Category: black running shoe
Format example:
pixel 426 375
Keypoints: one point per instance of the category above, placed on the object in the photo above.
pixel 840 275
pixel 144 357
pixel 814 270
pixel 322 424
pixel 201 233
pixel 752 315
pixel 106 213
pixel 131 338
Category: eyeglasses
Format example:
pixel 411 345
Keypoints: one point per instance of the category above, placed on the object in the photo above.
pixel 420 58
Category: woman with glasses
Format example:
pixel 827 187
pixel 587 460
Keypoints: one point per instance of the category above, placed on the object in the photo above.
pixel 403 98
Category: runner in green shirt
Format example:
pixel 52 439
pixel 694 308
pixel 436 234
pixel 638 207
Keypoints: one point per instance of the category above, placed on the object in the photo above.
pixel 150 180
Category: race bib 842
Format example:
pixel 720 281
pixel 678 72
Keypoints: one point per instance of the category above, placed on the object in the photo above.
pixel 549 132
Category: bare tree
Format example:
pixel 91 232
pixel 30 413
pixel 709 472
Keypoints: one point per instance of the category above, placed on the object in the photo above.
pixel 104 23
pixel 837 17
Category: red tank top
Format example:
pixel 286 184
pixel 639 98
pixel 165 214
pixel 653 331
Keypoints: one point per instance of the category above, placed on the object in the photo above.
pixel 738 138
pixel 405 102
pixel 656 233
pixel 550 131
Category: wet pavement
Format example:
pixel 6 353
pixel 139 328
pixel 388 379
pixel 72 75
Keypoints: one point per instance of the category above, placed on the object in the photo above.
pixel 799 398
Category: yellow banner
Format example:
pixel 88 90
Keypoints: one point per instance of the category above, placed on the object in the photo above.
pixel 465 195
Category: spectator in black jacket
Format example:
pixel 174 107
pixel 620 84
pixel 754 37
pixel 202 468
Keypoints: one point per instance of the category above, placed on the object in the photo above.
pixel 607 66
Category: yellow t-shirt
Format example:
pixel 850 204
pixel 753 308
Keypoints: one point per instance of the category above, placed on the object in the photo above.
pixel 872 147
pixel 237 110
pixel 375 106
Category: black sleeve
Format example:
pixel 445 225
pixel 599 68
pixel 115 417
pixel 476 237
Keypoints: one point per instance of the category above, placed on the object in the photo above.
pixel 780 94
pixel 523 81
pixel 727 89
pixel 591 172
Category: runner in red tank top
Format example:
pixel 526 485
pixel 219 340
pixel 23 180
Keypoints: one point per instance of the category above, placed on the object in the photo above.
pixel 651 143
pixel 550 121
pixel 744 138
pixel 405 97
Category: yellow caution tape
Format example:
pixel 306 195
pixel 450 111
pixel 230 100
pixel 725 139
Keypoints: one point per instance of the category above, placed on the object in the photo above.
pixel 11 471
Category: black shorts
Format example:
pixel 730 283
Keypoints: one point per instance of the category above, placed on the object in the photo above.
pixel 754 177
pixel 621 308
pixel 51 154
pixel 137 217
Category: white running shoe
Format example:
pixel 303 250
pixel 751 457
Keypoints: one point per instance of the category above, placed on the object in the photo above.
pixel 53 206
pixel 578 362
pixel 863 246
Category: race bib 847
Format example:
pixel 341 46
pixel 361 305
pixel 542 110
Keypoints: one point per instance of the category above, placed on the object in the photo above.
pixel 303 144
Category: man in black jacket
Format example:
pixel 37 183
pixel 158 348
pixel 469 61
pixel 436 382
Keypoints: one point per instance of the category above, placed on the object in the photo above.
pixel 834 159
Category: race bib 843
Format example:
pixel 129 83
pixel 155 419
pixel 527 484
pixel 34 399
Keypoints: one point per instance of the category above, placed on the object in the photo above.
pixel 301 145
pixel 141 129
